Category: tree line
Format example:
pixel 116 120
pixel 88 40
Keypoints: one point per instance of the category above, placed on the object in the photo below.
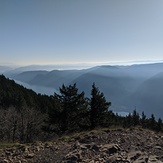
pixel 26 116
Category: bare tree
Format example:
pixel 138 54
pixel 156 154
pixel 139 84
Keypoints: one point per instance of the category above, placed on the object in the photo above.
pixel 24 126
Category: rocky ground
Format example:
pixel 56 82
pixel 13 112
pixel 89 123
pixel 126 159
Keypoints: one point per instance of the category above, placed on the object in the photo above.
pixel 100 146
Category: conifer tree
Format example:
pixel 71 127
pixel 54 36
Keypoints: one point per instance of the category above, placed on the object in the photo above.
pixel 98 107
pixel 127 121
pixel 159 125
pixel 152 122
pixel 135 118
pixel 72 104
pixel 143 120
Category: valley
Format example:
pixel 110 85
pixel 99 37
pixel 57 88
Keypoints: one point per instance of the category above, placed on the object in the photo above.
pixel 127 87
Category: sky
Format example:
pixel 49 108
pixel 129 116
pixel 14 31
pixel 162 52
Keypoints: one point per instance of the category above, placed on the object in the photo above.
pixel 80 31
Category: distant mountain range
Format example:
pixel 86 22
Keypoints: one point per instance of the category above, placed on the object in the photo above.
pixel 137 87
pixel 4 69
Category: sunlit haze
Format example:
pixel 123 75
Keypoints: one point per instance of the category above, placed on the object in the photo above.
pixel 80 32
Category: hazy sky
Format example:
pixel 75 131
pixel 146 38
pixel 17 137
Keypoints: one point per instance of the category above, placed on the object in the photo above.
pixel 80 31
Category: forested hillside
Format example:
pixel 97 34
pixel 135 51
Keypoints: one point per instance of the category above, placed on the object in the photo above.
pixel 12 94
pixel 26 116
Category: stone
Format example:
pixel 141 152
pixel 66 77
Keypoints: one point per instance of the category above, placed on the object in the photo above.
pixel 76 145
pixel 18 161
pixel 83 147
pixel 154 158
pixel 142 159
pixel 5 161
pixel 134 155
pixel 30 155
pixel 24 161
pixel 110 148
pixel 95 147
pixel 72 157
pixel 158 147
pixel 114 158
pixel 87 139
pixel 8 153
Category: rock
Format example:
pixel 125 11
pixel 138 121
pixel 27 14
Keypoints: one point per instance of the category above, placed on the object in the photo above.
pixel 47 146
pixel 30 155
pixel 110 148
pixel 86 140
pixel 95 147
pixel 158 147
pixel 73 157
pixel 18 161
pixel 5 161
pixel 76 145
pixel 24 161
pixel 83 147
pixel 142 159
pixel 8 153
pixel 154 159
pixel 114 158
pixel 92 161
pixel 37 148
pixel 134 155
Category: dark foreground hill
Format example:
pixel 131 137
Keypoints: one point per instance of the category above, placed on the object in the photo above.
pixel 15 95
pixel 102 146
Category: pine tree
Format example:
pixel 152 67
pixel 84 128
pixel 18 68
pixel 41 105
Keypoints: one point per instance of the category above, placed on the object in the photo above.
pixel 71 105
pixel 143 120
pixel 159 125
pixel 152 122
pixel 135 118
pixel 127 122
pixel 98 107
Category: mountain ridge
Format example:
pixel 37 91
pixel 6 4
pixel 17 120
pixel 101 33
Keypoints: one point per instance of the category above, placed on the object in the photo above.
pixel 123 85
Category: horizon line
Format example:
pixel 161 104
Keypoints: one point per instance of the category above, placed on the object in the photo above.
pixel 85 64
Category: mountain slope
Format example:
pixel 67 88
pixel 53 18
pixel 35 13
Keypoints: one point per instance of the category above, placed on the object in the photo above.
pixel 126 86
pixel 13 94
pixel 149 95
pixel 4 69
pixel 27 76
